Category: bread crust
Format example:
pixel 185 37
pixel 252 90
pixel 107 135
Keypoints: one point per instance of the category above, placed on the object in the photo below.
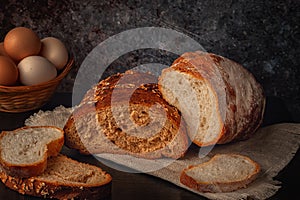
pixel 216 187
pixel 144 95
pixel 39 187
pixel 32 169
pixel 241 100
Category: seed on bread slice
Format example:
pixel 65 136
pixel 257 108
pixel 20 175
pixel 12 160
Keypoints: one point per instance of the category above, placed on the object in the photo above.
pixel 222 173
pixel 64 178
pixel 24 151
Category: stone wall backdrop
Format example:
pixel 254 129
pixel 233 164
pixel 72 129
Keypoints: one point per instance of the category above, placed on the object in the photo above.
pixel 261 35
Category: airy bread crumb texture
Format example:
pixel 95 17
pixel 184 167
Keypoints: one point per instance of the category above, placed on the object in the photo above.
pixel 28 145
pixel 222 173
pixel 66 171
pixel 196 101
pixel 223 168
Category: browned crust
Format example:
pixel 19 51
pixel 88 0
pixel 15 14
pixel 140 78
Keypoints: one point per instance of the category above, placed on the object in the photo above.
pixel 212 142
pixel 73 141
pixel 33 169
pixel 146 95
pixel 216 187
pixel 252 114
pixel 38 187
pixel 72 138
pixel 240 121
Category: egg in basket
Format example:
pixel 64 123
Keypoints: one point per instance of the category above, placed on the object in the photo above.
pixel 30 69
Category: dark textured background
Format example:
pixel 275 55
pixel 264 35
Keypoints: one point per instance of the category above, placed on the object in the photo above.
pixel 261 35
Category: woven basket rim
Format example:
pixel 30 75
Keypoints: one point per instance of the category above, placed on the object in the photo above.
pixel 60 76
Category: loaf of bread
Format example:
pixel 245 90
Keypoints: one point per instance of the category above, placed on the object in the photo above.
pixel 126 114
pixel 24 151
pixel 219 99
pixel 222 173
pixel 63 178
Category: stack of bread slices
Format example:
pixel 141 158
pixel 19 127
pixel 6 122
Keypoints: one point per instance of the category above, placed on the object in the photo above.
pixel 31 163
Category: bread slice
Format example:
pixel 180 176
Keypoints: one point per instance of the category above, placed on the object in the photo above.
pixel 24 151
pixel 126 114
pixel 219 99
pixel 64 178
pixel 222 173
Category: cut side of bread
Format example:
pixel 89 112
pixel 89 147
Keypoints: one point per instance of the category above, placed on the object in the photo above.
pixel 222 173
pixel 126 114
pixel 64 178
pixel 24 151
pixel 219 99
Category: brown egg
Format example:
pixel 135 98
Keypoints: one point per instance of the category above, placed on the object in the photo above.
pixel 2 51
pixel 21 42
pixel 8 71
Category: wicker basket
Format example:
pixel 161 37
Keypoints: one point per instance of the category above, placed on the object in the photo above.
pixel 15 99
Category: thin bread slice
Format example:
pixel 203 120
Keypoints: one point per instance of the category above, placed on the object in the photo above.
pixel 222 173
pixel 64 178
pixel 24 151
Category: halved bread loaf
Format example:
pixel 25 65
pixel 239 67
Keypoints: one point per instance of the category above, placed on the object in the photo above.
pixel 64 178
pixel 219 99
pixel 223 173
pixel 24 151
pixel 126 114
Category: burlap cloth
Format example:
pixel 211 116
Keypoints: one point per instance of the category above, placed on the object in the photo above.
pixel 272 147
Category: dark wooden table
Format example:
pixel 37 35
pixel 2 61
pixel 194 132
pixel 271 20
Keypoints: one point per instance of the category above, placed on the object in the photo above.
pixel 142 186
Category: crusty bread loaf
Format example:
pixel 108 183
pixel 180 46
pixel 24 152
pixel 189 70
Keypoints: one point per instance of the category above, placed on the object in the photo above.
pixel 123 115
pixel 219 99
pixel 222 173
pixel 24 151
pixel 64 178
